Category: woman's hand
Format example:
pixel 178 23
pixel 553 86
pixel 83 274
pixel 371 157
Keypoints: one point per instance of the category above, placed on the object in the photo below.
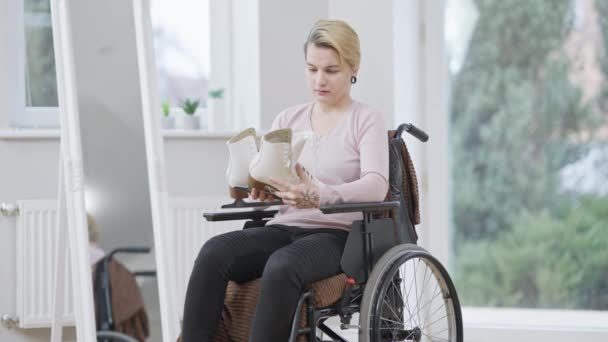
pixel 302 195
pixel 261 195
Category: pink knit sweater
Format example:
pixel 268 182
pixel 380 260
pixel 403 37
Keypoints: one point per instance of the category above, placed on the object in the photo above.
pixel 349 163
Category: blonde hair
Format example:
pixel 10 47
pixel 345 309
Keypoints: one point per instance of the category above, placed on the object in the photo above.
pixel 92 228
pixel 339 36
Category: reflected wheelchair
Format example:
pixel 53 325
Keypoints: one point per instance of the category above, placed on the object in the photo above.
pixel 104 311
pixel 400 291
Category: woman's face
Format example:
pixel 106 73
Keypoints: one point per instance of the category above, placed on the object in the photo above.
pixel 328 79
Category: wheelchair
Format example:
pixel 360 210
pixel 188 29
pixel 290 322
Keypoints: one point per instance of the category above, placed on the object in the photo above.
pixel 400 291
pixel 103 295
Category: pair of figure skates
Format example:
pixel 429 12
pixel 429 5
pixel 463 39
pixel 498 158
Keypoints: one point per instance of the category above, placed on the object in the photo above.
pixel 252 162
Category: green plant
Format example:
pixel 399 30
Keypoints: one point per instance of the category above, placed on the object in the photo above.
pixel 514 113
pixel 520 240
pixel 216 93
pixel 546 260
pixel 166 109
pixel 189 106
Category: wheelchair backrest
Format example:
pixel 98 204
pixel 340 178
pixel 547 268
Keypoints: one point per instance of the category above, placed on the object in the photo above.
pixel 403 187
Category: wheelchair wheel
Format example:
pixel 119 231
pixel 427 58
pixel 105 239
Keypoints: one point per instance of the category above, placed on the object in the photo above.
pixel 409 297
pixel 112 336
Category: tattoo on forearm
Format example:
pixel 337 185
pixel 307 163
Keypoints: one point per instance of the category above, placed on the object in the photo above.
pixel 310 199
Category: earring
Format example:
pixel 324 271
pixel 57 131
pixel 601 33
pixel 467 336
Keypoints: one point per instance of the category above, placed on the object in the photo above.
pixel 353 79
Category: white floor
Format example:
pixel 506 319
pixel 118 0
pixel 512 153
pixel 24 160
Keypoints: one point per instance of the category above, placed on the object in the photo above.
pixel 350 334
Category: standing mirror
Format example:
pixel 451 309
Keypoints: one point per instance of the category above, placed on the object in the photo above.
pixel 71 222
pixel 114 172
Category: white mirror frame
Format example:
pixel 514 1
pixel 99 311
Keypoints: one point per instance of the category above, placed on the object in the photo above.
pixel 71 185
pixel 159 197
pixel 71 189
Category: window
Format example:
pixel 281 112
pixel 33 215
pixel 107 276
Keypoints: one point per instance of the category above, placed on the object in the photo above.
pixel 41 82
pixel 182 48
pixel 182 45
pixel 40 78
pixel 528 104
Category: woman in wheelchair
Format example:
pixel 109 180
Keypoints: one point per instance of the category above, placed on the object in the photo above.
pixel 304 242
pixel 300 245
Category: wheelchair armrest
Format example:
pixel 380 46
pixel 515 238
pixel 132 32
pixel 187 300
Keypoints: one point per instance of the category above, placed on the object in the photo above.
pixel 260 213
pixel 362 206
pixel 255 214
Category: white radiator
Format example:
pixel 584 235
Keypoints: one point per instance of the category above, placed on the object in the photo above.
pixel 192 230
pixel 36 238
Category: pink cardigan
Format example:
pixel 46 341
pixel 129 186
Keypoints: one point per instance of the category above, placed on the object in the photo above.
pixel 349 163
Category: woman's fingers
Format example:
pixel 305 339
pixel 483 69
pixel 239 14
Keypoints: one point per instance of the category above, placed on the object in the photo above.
pixel 293 194
pixel 289 202
pixel 298 195
pixel 263 196
pixel 256 194
pixel 285 195
pixel 253 194
pixel 302 174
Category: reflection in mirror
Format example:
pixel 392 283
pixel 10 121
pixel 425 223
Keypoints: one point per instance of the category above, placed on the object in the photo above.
pixel 117 184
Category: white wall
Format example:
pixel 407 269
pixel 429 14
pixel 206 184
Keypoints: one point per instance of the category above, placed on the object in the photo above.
pixel 284 26
pixel 245 63
pixel 373 22
pixel 28 170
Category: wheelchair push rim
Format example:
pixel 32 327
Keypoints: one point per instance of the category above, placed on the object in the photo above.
pixel 411 298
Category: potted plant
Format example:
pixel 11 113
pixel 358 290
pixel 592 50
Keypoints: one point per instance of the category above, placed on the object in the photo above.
pixel 189 107
pixel 167 121
pixel 216 115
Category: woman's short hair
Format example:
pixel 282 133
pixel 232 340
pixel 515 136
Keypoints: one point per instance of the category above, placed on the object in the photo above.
pixel 339 36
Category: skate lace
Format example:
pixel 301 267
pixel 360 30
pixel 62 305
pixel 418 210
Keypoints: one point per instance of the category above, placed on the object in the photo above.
pixel 287 162
pixel 290 164
pixel 315 144
pixel 253 149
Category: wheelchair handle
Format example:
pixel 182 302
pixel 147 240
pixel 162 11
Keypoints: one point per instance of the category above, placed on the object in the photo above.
pixel 145 273
pixel 413 130
pixel 132 249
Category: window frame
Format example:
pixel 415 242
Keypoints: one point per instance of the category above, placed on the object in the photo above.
pixel 31 117
pixel 36 118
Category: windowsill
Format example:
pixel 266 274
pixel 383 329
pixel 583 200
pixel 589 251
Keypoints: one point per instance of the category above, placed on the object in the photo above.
pixel 196 134
pixel 28 134
pixel 42 134
pixel 534 319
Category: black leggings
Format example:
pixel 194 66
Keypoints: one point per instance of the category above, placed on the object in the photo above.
pixel 287 258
